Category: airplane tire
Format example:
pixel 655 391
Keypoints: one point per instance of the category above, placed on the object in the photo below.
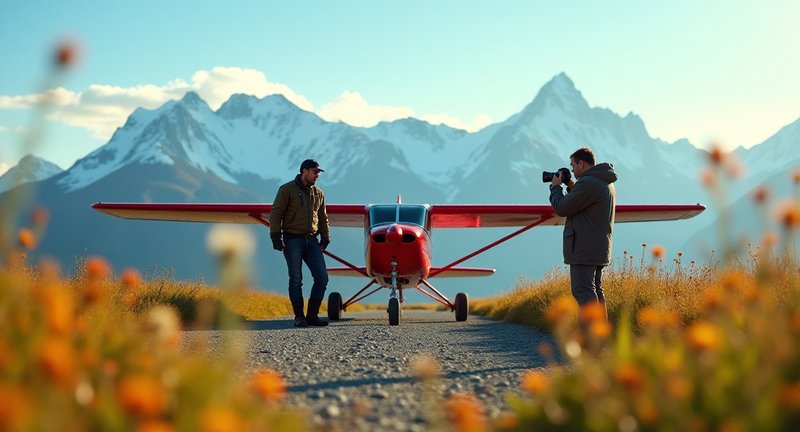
pixel 394 311
pixel 334 306
pixel 462 306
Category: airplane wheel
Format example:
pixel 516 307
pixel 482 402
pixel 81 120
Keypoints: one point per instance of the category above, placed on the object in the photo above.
pixel 334 306
pixel 462 307
pixel 394 311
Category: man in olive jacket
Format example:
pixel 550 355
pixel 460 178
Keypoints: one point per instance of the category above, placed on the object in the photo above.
pixel 589 206
pixel 297 219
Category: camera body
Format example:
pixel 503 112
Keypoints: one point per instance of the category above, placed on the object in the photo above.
pixel 566 176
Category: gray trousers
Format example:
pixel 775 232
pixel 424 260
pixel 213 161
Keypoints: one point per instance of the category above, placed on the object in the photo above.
pixel 586 283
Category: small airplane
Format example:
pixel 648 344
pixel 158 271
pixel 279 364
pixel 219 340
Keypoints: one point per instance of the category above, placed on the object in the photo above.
pixel 398 238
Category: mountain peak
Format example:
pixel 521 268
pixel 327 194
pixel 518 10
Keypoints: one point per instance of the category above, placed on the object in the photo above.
pixel 193 101
pixel 29 169
pixel 558 93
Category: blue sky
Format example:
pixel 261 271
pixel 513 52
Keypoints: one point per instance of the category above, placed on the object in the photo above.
pixel 707 70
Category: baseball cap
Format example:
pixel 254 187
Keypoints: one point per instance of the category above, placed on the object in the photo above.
pixel 310 164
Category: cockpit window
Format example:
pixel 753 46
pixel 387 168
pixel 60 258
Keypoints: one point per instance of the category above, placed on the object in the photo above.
pixel 403 213
pixel 382 214
pixel 412 214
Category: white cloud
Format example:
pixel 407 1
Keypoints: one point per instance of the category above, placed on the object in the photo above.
pixel 102 108
pixel 353 109
pixel 3 128
pixel 4 167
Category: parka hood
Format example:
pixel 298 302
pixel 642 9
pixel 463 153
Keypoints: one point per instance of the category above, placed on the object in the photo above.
pixel 604 171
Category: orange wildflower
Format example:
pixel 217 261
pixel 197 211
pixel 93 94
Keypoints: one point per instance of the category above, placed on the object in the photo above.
pixel 594 311
pixel 733 280
pixel 658 251
pixel 535 381
pixel 507 420
pixel 789 395
pixel 40 217
pixel 66 54
pixel 269 385
pixel 16 408
pixel 544 349
pixel 142 395
pixel 220 419
pixel 130 278
pixel 630 376
pixel 465 413
pixel 789 215
pixel 601 330
pixel 770 239
pixel 97 267
pixel 57 360
pixel 155 426
pixel 562 307
pixel 716 154
pixel 26 238
pixel 704 336
pixel 796 176
pixel 708 178
pixel 761 194
pixel 678 387
pixel 712 299
pixel 58 308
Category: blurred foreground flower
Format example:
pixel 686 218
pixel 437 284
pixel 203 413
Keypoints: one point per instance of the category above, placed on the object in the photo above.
pixel 269 385
pixel 465 413
pixel 425 367
pixel 534 381
pixel 230 242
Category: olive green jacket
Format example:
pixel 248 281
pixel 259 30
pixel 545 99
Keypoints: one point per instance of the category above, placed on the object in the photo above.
pixel 298 209
pixel 590 209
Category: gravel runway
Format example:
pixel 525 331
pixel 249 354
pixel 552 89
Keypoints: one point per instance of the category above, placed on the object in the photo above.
pixel 355 375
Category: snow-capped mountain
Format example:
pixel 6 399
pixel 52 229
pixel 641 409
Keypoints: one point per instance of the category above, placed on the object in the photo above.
pixel 29 169
pixel 186 152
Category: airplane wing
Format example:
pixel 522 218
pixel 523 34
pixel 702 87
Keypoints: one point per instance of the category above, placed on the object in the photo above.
pixel 339 215
pixel 452 272
pixel 352 215
pixel 509 215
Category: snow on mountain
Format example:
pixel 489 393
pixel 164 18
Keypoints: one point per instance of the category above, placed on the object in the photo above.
pixel 29 169
pixel 778 153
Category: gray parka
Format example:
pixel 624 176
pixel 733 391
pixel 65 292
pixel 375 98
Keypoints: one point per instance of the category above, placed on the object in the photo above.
pixel 589 208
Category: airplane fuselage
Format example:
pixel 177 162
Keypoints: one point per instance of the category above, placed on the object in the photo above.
pixel 401 248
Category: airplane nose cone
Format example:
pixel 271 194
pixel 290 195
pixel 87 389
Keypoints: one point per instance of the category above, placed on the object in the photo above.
pixel 394 234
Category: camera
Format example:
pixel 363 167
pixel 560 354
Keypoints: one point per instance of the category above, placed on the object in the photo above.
pixel 547 176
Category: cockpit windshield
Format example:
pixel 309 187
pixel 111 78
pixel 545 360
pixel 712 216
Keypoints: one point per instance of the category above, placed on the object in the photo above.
pixel 416 214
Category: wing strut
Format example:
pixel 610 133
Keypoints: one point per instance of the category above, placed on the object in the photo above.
pixel 262 221
pixel 353 299
pixel 489 246
pixel 439 297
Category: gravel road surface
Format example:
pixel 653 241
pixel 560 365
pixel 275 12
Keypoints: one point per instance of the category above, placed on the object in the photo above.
pixel 355 374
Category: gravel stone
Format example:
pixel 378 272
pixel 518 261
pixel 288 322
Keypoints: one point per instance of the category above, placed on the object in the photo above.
pixel 355 374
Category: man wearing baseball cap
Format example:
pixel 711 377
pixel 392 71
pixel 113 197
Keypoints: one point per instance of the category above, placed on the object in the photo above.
pixel 299 228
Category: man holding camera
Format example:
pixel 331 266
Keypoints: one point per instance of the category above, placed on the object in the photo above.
pixel 298 217
pixel 589 206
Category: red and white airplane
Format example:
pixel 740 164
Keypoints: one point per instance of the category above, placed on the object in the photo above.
pixel 397 238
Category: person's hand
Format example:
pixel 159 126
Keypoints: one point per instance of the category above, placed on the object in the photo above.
pixel 277 242
pixel 556 180
pixel 324 243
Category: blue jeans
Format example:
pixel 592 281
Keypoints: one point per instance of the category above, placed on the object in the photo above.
pixel 306 249
pixel 587 283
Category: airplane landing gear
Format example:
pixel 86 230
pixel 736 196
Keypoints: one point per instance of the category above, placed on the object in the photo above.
pixel 462 306
pixel 334 306
pixel 394 311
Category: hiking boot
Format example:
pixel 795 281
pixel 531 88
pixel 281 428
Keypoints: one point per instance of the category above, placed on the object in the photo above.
pixel 312 317
pixel 299 318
